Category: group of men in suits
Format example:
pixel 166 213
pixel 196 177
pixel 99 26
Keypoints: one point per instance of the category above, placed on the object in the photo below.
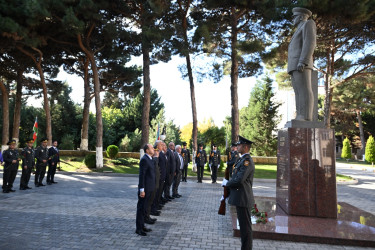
pixel 160 170
pixel 38 158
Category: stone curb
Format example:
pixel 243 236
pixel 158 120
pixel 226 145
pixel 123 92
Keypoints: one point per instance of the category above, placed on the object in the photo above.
pixel 351 182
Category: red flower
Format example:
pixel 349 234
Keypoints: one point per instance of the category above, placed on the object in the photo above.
pixel 265 213
pixel 255 205
pixel 256 209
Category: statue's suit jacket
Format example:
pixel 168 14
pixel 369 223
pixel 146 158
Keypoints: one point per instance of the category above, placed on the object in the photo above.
pixel 241 184
pixel 301 46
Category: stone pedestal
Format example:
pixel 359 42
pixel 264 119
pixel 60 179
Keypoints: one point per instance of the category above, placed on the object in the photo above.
pixel 306 172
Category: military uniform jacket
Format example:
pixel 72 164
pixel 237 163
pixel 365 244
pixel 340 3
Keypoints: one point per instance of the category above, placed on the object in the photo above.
pixel 241 191
pixel 28 157
pixel 185 153
pixel 215 158
pixel 8 156
pixel 201 158
pixel 40 155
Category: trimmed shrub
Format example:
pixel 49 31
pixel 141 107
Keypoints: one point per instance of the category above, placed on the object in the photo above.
pixel 346 150
pixel 112 151
pixel 90 161
pixel 370 150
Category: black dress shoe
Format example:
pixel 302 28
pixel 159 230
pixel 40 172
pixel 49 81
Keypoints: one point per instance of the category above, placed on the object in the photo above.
pixel 54 182
pixel 178 195
pixel 41 185
pixel 12 190
pixel 22 188
pixel 145 229
pixel 28 187
pixel 155 213
pixel 149 222
pixel 152 219
pixel 5 191
pixel 140 232
pixel 175 196
pixel 49 183
pixel 37 185
pixel 170 197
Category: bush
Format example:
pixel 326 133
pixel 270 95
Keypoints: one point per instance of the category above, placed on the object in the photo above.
pixel 370 150
pixel 90 161
pixel 125 144
pixel 67 142
pixel 346 150
pixel 112 151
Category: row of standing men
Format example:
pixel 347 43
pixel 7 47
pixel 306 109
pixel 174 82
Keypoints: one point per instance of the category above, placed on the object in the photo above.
pixel 161 171
pixel 38 159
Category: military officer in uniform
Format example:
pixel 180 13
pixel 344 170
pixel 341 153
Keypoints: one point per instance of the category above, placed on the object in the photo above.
pixel 241 191
pixel 185 153
pixel 53 160
pixel 11 159
pixel 214 162
pixel 28 163
pixel 200 160
pixel 232 158
pixel 41 155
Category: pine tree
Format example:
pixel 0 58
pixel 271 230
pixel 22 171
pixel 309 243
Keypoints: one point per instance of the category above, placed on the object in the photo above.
pixel 259 119
pixel 370 150
pixel 346 150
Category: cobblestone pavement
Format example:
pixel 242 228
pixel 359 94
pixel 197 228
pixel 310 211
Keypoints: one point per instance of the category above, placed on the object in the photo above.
pixel 98 212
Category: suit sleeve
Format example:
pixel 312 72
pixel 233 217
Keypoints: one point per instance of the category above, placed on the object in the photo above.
pixel 7 158
pixel 239 179
pixel 309 42
pixel 142 173
pixel 177 160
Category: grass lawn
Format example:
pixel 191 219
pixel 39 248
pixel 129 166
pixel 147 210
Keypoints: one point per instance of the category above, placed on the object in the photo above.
pixel 354 162
pixel 131 166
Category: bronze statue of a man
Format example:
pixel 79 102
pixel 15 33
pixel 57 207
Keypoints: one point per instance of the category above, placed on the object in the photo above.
pixel 300 62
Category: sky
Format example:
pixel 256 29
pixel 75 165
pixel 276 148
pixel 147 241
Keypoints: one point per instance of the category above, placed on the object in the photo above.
pixel 212 100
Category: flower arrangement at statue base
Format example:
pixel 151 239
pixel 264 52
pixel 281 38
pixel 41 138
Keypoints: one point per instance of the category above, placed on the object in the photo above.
pixel 261 216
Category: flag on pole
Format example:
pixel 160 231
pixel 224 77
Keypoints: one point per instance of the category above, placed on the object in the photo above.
pixel 35 133
pixel 158 132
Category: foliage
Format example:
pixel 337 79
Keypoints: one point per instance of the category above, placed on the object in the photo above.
pixel 112 151
pixel 187 133
pixel 90 161
pixel 346 150
pixel 67 142
pixel 259 119
pixel 370 150
pixel 125 144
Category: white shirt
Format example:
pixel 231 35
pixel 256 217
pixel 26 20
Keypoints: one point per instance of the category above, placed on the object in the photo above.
pixel 182 161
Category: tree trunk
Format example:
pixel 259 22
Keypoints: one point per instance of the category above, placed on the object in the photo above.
pixel 5 102
pixel 191 81
pixel 327 86
pixel 361 133
pixel 234 78
pixel 99 121
pixel 38 65
pixel 86 109
pixel 146 93
pixel 17 107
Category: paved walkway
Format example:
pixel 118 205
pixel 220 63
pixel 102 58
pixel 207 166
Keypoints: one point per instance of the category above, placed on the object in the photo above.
pixel 98 212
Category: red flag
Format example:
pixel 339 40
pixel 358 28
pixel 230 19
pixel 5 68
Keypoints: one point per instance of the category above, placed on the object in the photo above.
pixel 35 134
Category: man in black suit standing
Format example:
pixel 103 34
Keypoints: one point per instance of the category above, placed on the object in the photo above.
pixel 172 170
pixel 179 167
pixel 146 186
pixel 53 160
pixel 241 191
pixel 41 155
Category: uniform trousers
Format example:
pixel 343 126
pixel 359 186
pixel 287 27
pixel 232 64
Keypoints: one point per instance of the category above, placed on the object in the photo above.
pixel 25 177
pixel 244 219
pixel 51 173
pixel 200 170
pixel 184 173
pixel 9 176
pixel 39 174
pixel 214 173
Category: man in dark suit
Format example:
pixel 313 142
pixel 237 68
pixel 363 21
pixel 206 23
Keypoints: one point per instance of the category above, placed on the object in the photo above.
pixel 232 158
pixel 179 167
pixel 172 170
pixel 241 191
pixel 163 173
pixel 185 153
pixel 146 186
pixel 53 160
pixel 154 204
pixel 200 160
pixel 41 155
pixel 214 162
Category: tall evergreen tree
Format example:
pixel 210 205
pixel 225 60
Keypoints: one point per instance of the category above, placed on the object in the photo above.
pixel 370 150
pixel 259 119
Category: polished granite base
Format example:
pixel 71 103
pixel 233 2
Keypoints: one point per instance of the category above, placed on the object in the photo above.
pixel 352 227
